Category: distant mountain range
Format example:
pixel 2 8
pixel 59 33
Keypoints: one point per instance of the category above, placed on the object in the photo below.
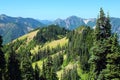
pixel 73 22
pixel 14 27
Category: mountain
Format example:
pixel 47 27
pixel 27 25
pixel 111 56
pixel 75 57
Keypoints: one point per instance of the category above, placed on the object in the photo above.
pixel 73 22
pixel 90 22
pixel 115 22
pixel 13 27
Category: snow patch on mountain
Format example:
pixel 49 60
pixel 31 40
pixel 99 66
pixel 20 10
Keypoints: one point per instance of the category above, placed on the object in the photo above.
pixel 86 21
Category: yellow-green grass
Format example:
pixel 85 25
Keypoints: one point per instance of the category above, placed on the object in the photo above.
pixel 52 44
pixel 84 76
pixel 29 36
pixel 65 57
pixel 69 66
pixel 35 49
pixel 55 43
pixel 39 63
pixel 26 38
pixel 59 73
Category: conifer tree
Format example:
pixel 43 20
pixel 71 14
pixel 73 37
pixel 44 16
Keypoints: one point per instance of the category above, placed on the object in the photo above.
pixel 103 27
pixel 27 72
pixel 13 67
pixel 100 49
pixel 112 70
pixel 48 70
pixel 2 61
pixel 50 73
pixel 37 73
pixel 44 70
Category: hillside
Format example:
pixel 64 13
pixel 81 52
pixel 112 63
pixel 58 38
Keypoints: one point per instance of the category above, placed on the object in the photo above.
pixel 55 53
pixel 14 27
pixel 55 47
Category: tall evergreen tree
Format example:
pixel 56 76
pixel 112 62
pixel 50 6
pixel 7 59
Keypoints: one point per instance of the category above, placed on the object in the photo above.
pixel 50 73
pixel 100 50
pixel 27 72
pixel 48 70
pixel 112 71
pixel 13 67
pixel 37 73
pixel 103 27
pixel 44 70
pixel 2 61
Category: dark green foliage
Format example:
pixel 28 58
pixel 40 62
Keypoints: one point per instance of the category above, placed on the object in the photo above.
pixel 27 72
pixel 80 41
pixel 13 67
pixel 98 58
pixel 2 61
pixel 112 70
pixel 105 59
pixel 13 45
pixel 57 61
pixel 46 52
pixel 103 27
pixel 49 33
pixel 49 72
pixel 44 70
pixel 100 49
pixel 37 73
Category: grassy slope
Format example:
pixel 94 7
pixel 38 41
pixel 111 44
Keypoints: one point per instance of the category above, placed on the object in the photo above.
pixel 52 44
pixel 29 36
pixel 70 65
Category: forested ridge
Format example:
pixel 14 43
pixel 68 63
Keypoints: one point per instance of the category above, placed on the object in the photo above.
pixel 55 53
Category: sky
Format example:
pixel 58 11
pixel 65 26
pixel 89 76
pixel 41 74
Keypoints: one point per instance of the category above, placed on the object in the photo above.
pixel 53 9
